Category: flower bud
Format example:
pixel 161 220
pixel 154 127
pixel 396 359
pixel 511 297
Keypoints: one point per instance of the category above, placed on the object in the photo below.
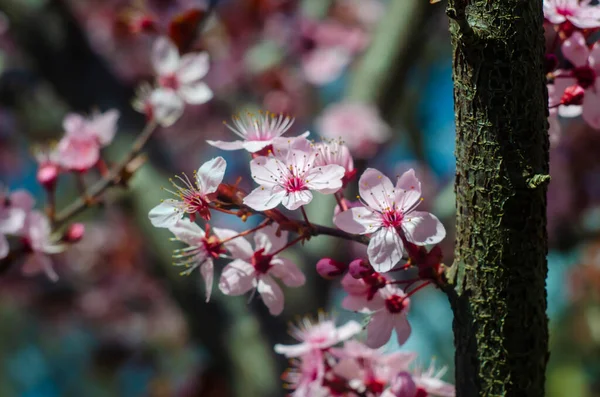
pixel 329 268
pixel 74 233
pixel 360 268
pixel 573 95
pixel 47 175
pixel 404 386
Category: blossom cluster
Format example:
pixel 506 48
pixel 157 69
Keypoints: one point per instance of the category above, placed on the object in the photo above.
pixel 574 86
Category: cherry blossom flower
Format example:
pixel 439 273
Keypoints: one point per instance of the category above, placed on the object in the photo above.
pixel 334 151
pixel 13 211
pixel 580 13
pixel 255 268
pixel 403 385
pixel 194 196
pixel 429 382
pixel 317 336
pixel 79 149
pixel 202 249
pixel 290 176
pixel 389 316
pixel 161 105
pixel 389 214
pixel 358 125
pixel 48 160
pixel 182 75
pixel 257 131
pixel 363 296
pixel 306 375
pixel 37 236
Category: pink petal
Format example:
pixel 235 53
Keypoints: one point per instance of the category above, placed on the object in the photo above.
pixel 324 65
pixel 379 330
pixel 167 107
pixel 271 294
pixel 211 174
pixel 239 247
pixel 104 126
pixel 188 232
pixel 12 220
pixel 591 107
pixel 166 214
pixel 575 49
pixel 402 327
pixel 358 220
pixel 376 189
pixel 385 249
pixel 408 191
pixel 294 200
pixel 22 199
pixel 255 146
pixel 287 271
pixel 165 56
pixel 195 93
pixel 326 179
pixel 235 145
pixel 192 67
pixel 78 154
pixel 267 239
pixel 265 198
pixel 207 270
pixel 422 228
pixel 73 123
pixel 38 262
pixel 266 171
pixel 237 278
pixel 594 58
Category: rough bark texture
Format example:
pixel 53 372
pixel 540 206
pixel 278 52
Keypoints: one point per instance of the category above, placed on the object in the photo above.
pixel 498 296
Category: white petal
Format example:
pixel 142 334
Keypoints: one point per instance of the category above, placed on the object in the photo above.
pixel 188 232
pixel 262 198
pixel 385 249
pixel 255 146
pixel 422 228
pixel 104 126
pixel 165 56
pixel 294 200
pixel 358 220
pixel 376 189
pixel 235 145
pixel 167 107
pixel 192 67
pixel 210 175
pixel 239 247
pixel 408 191
pixel 271 294
pixel 287 271
pixel 268 171
pixel 195 93
pixel 292 350
pixel 207 270
pixel 166 214
pixel 348 330
pixel 326 179
pixel 267 239
pixel 237 278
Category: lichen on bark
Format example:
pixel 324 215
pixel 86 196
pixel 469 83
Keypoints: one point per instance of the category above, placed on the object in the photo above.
pixel 497 287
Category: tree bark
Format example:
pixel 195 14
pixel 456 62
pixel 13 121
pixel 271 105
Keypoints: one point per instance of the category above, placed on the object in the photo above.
pixel 497 287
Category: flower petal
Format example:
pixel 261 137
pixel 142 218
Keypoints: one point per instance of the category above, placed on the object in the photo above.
pixel 195 93
pixel 235 145
pixel 408 191
pixel 575 49
pixel 287 271
pixel 264 198
pixel 187 231
pixel 167 106
pixel 267 238
pixel 422 228
pixel 237 278
pixel 211 174
pixel 4 247
pixel 326 179
pixel 38 262
pixel 294 200
pixel 267 171
pixel 379 330
pixel 271 294
pixel 255 146
pixel 165 56
pixel 166 214
pixel 207 270
pixel 376 189
pixel 104 126
pixel 591 107
pixel 348 330
pixel 385 249
pixel 402 327
pixel 358 220
pixel 239 247
pixel 192 67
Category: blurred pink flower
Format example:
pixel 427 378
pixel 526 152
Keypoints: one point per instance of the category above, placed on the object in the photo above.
pixel 194 196
pixel 580 13
pixel 255 268
pixel 13 212
pixel 79 148
pixel 363 295
pixel 334 151
pixel 182 75
pixel 390 315
pixel 36 234
pixel 290 176
pixel 161 105
pixel 257 131
pixel 429 381
pixel 389 214
pixel 359 126
pixel 318 336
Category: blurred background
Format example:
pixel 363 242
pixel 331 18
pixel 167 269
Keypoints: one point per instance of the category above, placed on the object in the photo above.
pixel 121 321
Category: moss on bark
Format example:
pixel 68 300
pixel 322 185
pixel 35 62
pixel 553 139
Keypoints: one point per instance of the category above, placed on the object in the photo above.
pixel 498 295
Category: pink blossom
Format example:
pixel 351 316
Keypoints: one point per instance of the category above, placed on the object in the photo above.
pixel 579 12
pixel 37 235
pixel 363 293
pixel 403 385
pixel 194 197
pixel 257 131
pixel 255 268
pixel 159 104
pixel 79 149
pixel 336 152
pixel 182 75
pixel 202 249
pixel 13 212
pixel 290 176
pixel 317 336
pixel 390 315
pixel 389 214
pixel 306 376
pixel 429 381
pixel 48 160
pixel 358 125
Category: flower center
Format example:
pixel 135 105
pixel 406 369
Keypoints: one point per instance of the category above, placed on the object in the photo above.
pixel 196 203
pixel 261 262
pixel 421 392
pixel 392 218
pixel 294 184
pixel 375 385
pixel 169 81
pixel 375 281
pixel 395 304
pixel 213 246
pixel 565 11
pixel 585 75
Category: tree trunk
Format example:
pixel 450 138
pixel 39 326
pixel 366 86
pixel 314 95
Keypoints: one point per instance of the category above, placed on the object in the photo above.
pixel 498 280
